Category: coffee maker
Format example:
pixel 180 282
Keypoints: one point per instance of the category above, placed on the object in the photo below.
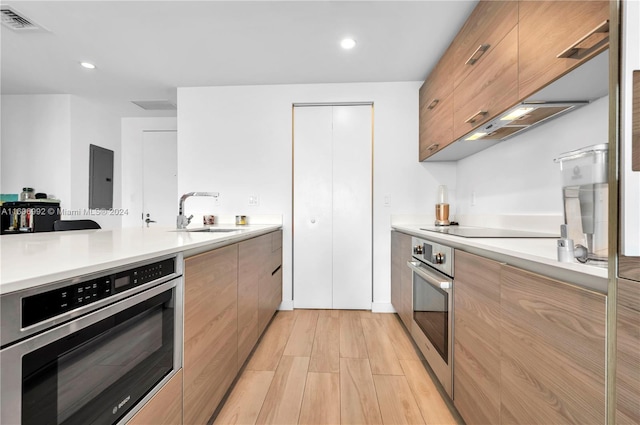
pixel 585 195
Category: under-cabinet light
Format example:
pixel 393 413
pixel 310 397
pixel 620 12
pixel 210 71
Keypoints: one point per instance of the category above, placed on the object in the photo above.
pixel 517 113
pixel 476 136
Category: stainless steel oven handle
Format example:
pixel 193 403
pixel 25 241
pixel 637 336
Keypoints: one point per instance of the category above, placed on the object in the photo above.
pixel 430 278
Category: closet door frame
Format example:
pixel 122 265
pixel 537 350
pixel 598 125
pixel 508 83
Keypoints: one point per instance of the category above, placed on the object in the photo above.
pixel 341 298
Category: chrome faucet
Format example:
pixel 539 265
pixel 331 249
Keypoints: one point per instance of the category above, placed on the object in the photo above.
pixel 182 222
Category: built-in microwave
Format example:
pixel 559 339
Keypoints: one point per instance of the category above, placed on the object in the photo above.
pixel 91 350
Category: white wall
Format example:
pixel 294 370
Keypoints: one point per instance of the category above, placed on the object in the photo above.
pixel 132 133
pixel 93 124
pixel 36 144
pixel 238 141
pixel 518 176
pixel 45 145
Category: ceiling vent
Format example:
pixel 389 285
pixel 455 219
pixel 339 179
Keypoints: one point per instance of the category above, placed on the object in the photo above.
pixel 11 18
pixel 155 105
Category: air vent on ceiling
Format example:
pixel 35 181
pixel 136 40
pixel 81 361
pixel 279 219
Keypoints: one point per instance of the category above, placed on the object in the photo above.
pixel 16 21
pixel 155 105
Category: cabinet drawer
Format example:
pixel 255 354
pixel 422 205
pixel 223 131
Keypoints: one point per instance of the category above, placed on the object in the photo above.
pixel 549 28
pixel 436 127
pixel 488 24
pixel 491 91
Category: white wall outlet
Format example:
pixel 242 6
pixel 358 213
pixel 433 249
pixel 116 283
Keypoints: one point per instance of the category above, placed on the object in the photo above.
pixel 217 201
pixel 254 200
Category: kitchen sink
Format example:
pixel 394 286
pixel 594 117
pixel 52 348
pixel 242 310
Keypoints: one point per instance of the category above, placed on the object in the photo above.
pixel 213 230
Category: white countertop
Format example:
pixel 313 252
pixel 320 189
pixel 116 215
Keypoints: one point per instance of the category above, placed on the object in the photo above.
pixel 536 255
pixel 35 259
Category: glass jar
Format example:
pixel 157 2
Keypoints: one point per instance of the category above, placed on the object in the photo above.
pixel 27 193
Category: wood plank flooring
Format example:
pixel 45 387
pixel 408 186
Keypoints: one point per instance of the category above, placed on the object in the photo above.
pixel 335 367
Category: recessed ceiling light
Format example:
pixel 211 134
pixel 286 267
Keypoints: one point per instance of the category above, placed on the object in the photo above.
pixel 348 43
pixel 87 65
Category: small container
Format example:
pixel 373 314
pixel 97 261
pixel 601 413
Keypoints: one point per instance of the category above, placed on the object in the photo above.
pixel 208 220
pixel 27 193
pixel 241 220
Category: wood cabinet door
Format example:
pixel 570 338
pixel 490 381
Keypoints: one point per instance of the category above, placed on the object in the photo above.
pixel 477 339
pixel 254 257
pixel 491 89
pixel 553 351
pixel 210 330
pixel 271 286
pixel 401 284
pixel 549 28
pixel 165 408
pixel 487 25
pixel 628 353
pixel 436 108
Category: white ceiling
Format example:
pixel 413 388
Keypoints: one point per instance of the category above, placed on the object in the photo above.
pixel 144 50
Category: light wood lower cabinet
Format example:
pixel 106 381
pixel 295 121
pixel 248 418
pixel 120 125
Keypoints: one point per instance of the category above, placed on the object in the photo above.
pixel 477 339
pixel 165 408
pixel 552 366
pixel 271 284
pixel 210 330
pixel 628 353
pixel 401 279
pixel 529 349
pixel 254 260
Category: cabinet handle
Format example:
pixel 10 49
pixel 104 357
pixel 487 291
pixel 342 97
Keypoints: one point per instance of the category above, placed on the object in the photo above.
pixel 433 147
pixel 574 49
pixel 433 103
pixel 473 118
pixel 635 123
pixel 477 54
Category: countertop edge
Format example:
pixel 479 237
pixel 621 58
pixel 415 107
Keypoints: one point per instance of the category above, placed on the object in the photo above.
pixel 188 250
pixel 584 276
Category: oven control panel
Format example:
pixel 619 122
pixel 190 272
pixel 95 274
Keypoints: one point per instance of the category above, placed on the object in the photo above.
pixel 433 254
pixel 39 307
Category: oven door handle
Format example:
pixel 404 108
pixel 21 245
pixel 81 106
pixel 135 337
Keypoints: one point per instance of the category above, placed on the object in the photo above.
pixel 430 278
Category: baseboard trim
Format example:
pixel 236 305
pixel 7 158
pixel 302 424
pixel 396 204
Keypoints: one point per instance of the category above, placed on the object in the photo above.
pixel 382 308
pixel 286 305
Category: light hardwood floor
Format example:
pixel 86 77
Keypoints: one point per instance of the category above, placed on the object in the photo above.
pixel 335 367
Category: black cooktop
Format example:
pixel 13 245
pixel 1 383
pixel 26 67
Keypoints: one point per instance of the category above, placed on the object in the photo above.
pixel 483 232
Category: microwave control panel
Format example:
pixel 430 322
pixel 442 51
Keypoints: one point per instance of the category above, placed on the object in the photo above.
pixel 43 306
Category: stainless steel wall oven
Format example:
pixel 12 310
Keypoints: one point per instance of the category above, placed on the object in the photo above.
pixel 91 350
pixel 432 269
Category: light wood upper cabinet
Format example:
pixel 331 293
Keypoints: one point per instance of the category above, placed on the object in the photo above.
pixel 491 89
pixel 436 108
pixel 548 29
pixel 628 353
pixel 164 408
pixel 254 260
pixel 210 331
pixel 477 339
pixel 553 351
pixel 401 278
pixel 488 24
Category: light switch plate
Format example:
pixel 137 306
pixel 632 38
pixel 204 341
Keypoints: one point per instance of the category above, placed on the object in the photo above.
pixel 254 200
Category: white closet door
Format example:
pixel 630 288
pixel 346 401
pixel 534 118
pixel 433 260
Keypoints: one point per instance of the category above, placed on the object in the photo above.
pixel 352 207
pixel 312 231
pixel 159 177
pixel 332 244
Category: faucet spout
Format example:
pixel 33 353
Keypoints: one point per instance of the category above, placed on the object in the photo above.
pixel 182 221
